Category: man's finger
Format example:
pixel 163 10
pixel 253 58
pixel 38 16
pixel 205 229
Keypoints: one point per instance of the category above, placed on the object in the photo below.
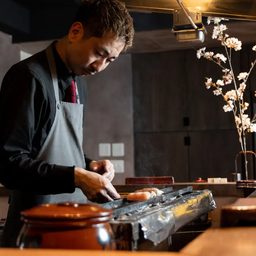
pixel 102 197
pixel 107 196
pixel 111 176
pixel 107 174
pixel 108 165
pixel 112 192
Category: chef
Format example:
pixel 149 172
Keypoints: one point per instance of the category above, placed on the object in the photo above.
pixel 42 102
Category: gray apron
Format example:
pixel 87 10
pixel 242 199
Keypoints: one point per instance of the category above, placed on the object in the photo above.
pixel 63 146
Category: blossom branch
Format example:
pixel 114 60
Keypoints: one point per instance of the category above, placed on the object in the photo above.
pixel 234 98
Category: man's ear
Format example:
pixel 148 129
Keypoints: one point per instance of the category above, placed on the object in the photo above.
pixel 76 31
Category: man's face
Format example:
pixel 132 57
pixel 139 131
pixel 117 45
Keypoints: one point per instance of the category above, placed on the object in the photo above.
pixel 89 56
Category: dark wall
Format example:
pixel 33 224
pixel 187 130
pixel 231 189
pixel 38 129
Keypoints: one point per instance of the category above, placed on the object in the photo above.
pixel 10 54
pixel 159 91
pixel 109 115
pixel 180 128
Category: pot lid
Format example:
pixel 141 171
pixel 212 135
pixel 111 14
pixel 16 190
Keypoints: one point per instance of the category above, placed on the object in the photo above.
pixel 66 211
pixel 199 180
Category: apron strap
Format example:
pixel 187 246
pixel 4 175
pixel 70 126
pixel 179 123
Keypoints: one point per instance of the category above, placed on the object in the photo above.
pixel 52 66
pixel 51 61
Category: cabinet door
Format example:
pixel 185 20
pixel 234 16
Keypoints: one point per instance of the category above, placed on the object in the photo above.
pixel 161 154
pixel 159 91
pixel 212 154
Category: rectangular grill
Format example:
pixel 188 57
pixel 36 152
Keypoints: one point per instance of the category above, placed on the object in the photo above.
pixel 123 206
pixel 156 219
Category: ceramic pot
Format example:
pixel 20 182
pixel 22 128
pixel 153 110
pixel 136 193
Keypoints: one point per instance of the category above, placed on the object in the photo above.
pixel 199 180
pixel 67 226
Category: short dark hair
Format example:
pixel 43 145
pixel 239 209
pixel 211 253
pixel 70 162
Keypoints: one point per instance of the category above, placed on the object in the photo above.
pixel 103 16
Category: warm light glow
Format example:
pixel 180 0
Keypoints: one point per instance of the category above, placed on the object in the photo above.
pixel 93 208
pixel 202 4
pixel 245 208
pixel 103 235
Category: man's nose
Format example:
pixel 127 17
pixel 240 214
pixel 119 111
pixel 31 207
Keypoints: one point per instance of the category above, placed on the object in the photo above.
pixel 98 66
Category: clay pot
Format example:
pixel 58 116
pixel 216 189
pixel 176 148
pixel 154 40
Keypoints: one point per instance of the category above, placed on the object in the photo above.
pixel 199 180
pixel 67 226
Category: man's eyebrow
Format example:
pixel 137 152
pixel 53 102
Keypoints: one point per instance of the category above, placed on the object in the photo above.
pixel 106 51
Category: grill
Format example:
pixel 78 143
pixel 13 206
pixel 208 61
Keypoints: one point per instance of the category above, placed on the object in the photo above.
pixel 157 219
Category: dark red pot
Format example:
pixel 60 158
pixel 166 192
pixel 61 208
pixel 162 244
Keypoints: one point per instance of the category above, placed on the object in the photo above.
pixel 67 226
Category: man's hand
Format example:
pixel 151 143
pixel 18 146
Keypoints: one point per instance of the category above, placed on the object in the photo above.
pixel 103 167
pixel 96 187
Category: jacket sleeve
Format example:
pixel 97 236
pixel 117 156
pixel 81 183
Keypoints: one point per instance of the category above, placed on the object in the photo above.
pixel 23 104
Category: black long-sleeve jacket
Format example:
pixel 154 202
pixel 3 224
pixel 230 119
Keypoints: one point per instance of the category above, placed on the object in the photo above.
pixel 27 110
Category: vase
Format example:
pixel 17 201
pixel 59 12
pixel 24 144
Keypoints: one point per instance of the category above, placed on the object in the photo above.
pixel 247 167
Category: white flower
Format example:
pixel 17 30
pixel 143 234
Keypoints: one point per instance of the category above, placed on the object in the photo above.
pixel 200 52
pixel 217 92
pixel 232 95
pixel 246 105
pixel 215 33
pixel 240 93
pixel 254 48
pixel 208 55
pixel 227 78
pixel 218 31
pixel 227 108
pixel 242 75
pixel 237 120
pixel 208 83
pixel 221 57
pixel 216 20
pixel 223 27
pixel 253 128
pixel 246 122
pixel 234 43
pixel 226 70
pixel 220 82
pixel 242 86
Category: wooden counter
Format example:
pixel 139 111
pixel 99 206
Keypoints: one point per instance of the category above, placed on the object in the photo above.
pixel 239 241
pixel 218 189
pixel 38 252
pixel 236 241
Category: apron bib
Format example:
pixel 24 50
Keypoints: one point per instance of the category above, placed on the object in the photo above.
pixel 63 146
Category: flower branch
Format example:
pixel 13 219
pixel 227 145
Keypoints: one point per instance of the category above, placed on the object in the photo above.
pixel 234 98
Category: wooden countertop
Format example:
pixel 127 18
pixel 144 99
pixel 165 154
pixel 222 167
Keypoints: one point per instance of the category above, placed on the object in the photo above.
pixel 235 241
pixel 218 189
pixel 239 241
pixel 40 252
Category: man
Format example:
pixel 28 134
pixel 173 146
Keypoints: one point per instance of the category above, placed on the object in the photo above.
pixel 41 156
